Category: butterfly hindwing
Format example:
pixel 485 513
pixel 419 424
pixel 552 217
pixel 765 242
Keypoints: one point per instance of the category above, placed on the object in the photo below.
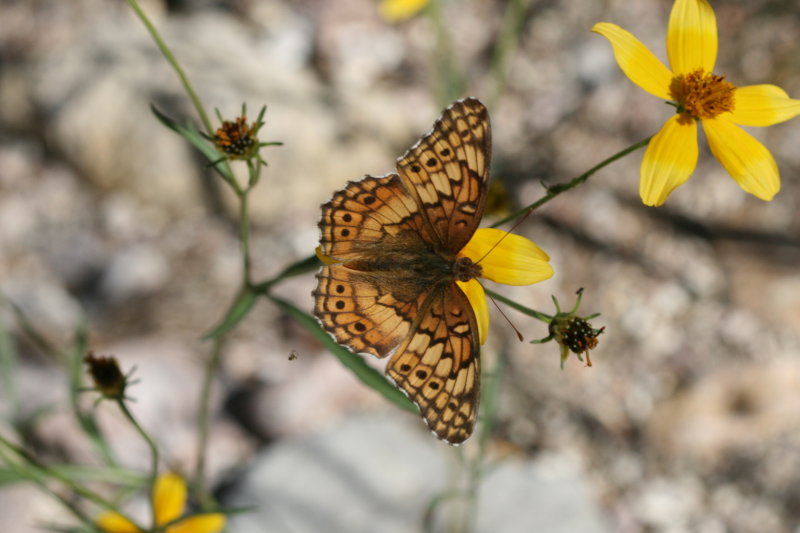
pixel 437 364
pixel 361 311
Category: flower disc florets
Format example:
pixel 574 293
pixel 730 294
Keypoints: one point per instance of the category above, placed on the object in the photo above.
pixel 703 95
pixel 107 377
pixel 571 332
pixel 237 139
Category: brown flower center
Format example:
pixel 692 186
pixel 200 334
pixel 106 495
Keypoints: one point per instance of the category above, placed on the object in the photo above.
pixel 703 95
pixel 237 139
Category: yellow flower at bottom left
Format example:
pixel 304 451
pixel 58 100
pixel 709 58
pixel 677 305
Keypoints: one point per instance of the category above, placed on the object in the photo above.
pixel 168 500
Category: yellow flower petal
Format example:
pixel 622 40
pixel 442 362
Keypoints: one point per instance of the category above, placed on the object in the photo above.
pixel 207 523
pixel 746 160
pixel 397 10
pixel 512 259
pixel 692 36
pixel 763 105
pixel 477 299
pixel 115 523
pixel 636 61
pixel 169 498
pixel 670 159
pixel 324 259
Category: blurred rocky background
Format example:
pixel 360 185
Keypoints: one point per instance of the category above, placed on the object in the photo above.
pixel 689 419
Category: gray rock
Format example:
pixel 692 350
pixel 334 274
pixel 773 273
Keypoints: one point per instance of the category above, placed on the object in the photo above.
pixel 371 474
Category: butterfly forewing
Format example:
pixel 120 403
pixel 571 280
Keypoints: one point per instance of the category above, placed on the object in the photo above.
pixel 366 213
pixel 390 287
pixel 448 171
pixel 367 225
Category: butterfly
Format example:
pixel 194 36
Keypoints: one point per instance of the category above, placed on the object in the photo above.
pixel 388 285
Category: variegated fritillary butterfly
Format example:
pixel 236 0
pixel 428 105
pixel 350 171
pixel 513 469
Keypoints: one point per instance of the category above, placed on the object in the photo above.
pixel 389 282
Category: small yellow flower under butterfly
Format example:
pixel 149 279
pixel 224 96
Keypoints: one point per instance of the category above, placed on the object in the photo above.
pixel 505 258
pixel 169 499
pixel 699 95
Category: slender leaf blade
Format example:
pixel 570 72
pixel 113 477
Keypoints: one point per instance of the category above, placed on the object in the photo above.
pixel 237 311
pixel 194 137
pixel 368 375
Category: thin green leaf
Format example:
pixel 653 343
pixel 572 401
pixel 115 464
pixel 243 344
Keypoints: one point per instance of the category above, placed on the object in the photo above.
pixel 303 266
pixel 9 477
pixel 491 391
pixel 236 312
pixel 55 528
pixel 368 375
pixel 27 327
pixel 118 476
pixel 194 137
pixel 85 418
pixel 8 367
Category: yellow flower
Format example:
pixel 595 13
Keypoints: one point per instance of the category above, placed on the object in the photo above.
pixel 699 95
pixel 397 10
pixel 503 258
pixel 169 499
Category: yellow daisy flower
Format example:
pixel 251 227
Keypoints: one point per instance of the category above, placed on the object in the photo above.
pixel 169 499
pixel 511 260
pixel 699 95
pixel 398 10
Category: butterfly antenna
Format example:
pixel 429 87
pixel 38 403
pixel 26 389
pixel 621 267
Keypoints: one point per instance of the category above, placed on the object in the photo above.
pixel 519 335
pixel 515 226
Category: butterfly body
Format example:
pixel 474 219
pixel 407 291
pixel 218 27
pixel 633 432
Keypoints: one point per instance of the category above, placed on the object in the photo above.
pixel 391 283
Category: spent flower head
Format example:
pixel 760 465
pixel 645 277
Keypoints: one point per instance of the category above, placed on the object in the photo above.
pixel 700 95
pixel 106 375
pixel 238 139
pixel 572 333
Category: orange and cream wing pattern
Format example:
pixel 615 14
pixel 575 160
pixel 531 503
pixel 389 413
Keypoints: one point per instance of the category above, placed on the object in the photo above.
pixel 448 170
pixel 361 311
pixel 364 227
pixel 438 367
pixel 389 246
pixel 363 215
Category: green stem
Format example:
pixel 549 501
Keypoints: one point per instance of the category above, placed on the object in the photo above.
pixel 38 340
pixel 37 471
pixel 85 418
pixel 519 307
pixel 204 415
pixel 244 235
pixel 8 366
pixel 448 79
pixel 506 44
pixel 174 63
pixel 557 189
pixel 475 467
pixel 153 449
